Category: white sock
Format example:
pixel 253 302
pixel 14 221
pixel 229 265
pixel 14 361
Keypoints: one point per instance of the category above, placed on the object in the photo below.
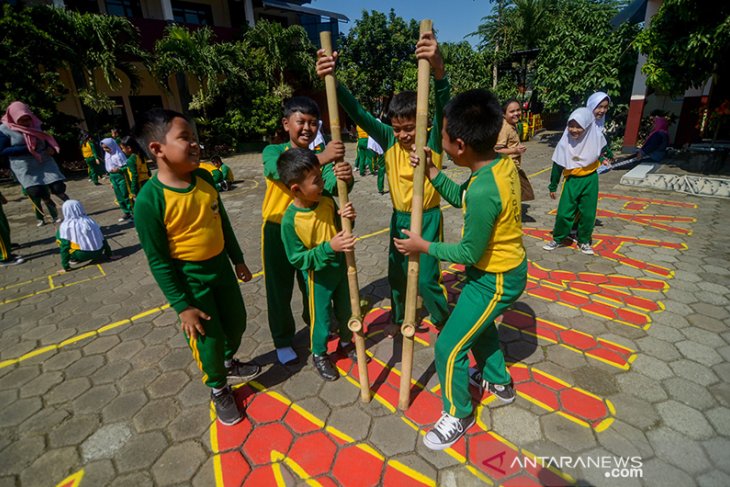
pixel 227 363
pixel 286 355
pixel 217 391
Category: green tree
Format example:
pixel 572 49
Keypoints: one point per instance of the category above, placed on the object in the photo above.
pixel 582 54
pixel 195 54
pixel 375 54
pixel 686 43
pixel 105 44
pixel 39 41
pixel 466 68
pixel 514 25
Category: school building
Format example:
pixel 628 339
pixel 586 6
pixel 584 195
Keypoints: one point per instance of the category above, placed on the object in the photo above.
pixel 225 17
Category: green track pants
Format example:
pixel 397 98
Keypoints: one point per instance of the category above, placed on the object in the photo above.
pixel 471 327
pixel 215 291
pixel 363 159
pixel 279 281
pixel 121 192
pixel 91 164
pixel 327 290
pixel 429 275
pixel 580 194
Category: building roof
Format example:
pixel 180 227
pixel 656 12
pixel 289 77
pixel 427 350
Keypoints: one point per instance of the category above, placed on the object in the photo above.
pixel 305 10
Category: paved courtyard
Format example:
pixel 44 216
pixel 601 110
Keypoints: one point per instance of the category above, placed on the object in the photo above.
pixel 621 361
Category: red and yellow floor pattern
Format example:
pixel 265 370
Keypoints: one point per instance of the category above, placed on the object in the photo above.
pixel 281 443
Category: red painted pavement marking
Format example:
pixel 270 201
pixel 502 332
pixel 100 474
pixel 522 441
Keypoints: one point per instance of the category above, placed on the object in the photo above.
pixel 577 341
pixel 425 410
pixel 277 433
pixel 653 221
pixel 634 201
pixel 608 246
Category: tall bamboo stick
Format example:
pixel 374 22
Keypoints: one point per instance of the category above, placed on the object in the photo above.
pixel 355 323
pixel 408 329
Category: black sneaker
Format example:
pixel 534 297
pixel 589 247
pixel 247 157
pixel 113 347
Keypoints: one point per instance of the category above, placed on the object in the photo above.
pixel 225 406
pixel 350 351
pixel 242 371
pixel 447 431
pixel 324 366
pixel 505 393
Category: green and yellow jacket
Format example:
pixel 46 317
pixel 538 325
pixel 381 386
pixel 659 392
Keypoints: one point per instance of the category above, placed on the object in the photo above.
pixel 492 236
pixel 179 226
pixel 397 160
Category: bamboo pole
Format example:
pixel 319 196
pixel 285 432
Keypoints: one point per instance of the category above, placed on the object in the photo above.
pixel 408 329
pixel 355 323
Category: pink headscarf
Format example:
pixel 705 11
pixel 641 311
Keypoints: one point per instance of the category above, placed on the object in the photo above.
pixel 31 134
pixel 660 125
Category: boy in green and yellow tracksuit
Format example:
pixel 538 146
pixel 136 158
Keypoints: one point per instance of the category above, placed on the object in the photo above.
pixel 314 244
pixel 188 240
pixel 300 121
pixel 91 157
pixel 397 141
pixel 137 171
pixel 490 247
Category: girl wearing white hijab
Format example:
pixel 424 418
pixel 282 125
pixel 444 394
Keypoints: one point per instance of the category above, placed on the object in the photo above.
pixel 598 104
pixel 576 157
pixel 79 237
pixel 116 165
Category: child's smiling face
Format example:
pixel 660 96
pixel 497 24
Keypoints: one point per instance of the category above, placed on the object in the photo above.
pixel 302 128
pixel 404 130
pixel 513 113
pixel 575 130
pixel 181 149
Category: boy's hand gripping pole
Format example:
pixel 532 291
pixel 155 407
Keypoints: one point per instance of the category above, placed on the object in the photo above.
pixel 408 329
pixel 355 323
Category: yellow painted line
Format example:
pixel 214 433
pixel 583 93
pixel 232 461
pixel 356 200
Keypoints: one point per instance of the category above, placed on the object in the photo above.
pixel 408 471
pixel 574 419
pixel 277 458
pixel 309 416
pixel 72 480
pixel 540 172
pixel 372 451
pixel 75 339
pixel 50 282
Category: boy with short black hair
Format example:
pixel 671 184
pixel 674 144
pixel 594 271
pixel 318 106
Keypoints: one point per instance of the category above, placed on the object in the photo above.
pixel 301 122
pixel 491 248
pixel 314 243
pixel 188 240
pixel 397 140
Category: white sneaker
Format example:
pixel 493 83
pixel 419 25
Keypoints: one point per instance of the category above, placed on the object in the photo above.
pixel 40 223
pixel 551 245
pixel 447 431
pixel 586 248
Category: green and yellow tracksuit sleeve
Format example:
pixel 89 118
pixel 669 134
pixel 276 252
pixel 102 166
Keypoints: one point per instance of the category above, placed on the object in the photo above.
pixel 492 235
pixel 182 225
pixel 278 196
pixel 397 162
pixel 71 251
